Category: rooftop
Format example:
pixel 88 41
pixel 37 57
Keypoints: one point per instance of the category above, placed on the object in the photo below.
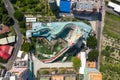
pixel 92 74
pixel 7 40
pixel 5 51
pixel 57 77
pixel 70 78
pixel 90 64
pixel 44 78
pixel 83 62
pixel 17 71
pixel 65 6
pixel 115 6
pixel 4 29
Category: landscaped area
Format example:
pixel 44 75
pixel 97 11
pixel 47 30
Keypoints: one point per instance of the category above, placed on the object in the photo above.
pixel 52 71
pixel 110 55
pixel 33 6
pixel 46 48
pixel 110 68
pixel 112 25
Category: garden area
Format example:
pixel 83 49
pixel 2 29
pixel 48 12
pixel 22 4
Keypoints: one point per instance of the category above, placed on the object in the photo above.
pixel 44 47
pixel 33 6
pixel 53 71
pixel 112 25
pixel 110 68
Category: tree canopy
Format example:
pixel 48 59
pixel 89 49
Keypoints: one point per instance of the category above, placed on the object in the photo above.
pixel 93 55
pixel 18 15
pixel 22 24
pixel 105 52
pixel 26 47
pixel 92 42
pixel 4 18
pixel 76 63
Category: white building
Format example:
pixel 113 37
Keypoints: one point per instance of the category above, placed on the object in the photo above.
pixel 31 19
pixel 7 40
pixel 115 6
pixel 83 62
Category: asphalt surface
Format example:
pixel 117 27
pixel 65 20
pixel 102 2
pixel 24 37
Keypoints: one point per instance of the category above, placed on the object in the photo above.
pixel 17 46
pixel 100 24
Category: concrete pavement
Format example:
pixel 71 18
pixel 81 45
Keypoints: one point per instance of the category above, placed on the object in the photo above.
pixel 39 64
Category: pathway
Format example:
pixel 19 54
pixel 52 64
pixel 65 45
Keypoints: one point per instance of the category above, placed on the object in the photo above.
pixel 39 64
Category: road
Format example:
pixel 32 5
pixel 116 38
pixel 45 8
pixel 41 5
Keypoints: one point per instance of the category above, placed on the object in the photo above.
pixel 100 25
pixel 17 46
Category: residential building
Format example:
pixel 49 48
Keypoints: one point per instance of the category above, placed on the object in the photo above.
pixel 91 64
pixel 57 77
pixel 79 7
pixel 72 77
pixel 83 62
pixel 5 51
pixel 92 74
pixel 115 6
pixel 53 4
pixel 86 6
pixel 31 19
pixel 7 40
pixel 4 29
pixel 19 71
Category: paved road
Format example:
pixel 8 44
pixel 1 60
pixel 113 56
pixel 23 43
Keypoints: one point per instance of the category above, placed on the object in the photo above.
pixel 39 64
pixel 17 46
pixel 100 24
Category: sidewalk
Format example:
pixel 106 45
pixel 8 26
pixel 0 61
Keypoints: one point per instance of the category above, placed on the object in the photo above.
pixel 38 64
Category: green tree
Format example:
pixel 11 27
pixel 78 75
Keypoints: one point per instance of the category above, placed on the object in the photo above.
pixel 6 19
pixel 22 24
pixel 93 55
pixel 18 15
pixel 76 63
pixel 92 42
pixel 45 72
pixel 13 1
pixel 107 48
pixel 105 53
pixel 26 47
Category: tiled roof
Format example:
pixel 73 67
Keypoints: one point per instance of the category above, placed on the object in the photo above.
pixel 4 29
pixel 5 51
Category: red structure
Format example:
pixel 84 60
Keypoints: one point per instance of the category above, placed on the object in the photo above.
pixel 5 51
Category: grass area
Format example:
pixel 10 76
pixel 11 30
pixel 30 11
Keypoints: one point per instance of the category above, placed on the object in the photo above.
pixel 112 25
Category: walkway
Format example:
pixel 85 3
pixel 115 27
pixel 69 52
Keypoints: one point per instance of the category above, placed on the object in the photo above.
pixel 39 64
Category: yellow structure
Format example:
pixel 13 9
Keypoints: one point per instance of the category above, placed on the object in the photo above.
pixel 57 77
pixel 90 64
pixel 94 76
